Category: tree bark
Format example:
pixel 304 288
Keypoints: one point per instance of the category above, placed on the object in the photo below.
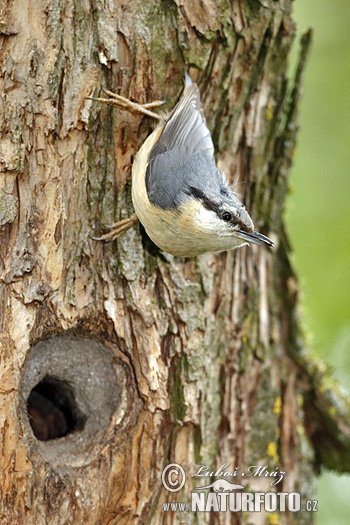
pixel 159 360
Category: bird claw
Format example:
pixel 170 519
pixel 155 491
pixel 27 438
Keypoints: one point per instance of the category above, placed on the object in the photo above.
pixel 117 228
pixel 125 103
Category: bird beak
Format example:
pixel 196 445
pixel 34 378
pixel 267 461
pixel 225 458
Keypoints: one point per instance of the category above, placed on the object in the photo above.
pixel 255 238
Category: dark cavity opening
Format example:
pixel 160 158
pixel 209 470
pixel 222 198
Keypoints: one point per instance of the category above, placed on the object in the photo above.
pixel 52 410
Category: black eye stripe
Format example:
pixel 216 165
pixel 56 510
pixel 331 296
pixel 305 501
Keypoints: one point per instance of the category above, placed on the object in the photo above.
pixel 209 205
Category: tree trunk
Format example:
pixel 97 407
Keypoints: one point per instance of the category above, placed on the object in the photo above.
pixel 118 359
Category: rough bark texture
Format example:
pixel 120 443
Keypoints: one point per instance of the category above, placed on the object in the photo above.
pixel 206 354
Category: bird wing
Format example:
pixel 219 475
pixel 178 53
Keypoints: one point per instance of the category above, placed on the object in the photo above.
pixel 182 154
pixel 186 126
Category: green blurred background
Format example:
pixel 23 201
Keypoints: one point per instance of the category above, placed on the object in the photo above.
pixel 318 209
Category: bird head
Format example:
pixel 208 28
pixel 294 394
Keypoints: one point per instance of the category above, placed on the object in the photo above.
pixel 220 220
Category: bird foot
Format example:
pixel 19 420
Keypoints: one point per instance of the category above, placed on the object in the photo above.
pixel 117 228
pixel 125 103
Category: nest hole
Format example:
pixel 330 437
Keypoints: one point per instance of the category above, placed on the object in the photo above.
pixel 74 392
pixel 52 410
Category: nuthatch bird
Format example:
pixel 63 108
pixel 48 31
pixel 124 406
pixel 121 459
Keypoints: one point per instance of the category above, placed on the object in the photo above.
pixel 184 203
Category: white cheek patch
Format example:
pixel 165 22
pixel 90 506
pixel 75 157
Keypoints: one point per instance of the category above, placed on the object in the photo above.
pixel 209 222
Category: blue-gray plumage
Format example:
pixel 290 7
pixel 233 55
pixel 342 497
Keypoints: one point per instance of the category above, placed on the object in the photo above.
pixel 183 151
pixel 171 175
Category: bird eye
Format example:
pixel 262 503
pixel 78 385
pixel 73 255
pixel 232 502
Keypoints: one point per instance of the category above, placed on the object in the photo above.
pixel 226 216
